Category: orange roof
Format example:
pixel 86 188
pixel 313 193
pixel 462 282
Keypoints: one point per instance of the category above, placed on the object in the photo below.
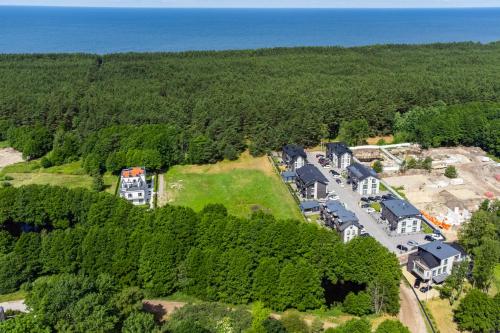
pixel 132 172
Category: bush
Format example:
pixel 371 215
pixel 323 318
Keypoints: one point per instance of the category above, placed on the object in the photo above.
pixel 293 323
pixel 451 172
pixel 392 326
pixel 45 162
pixel 8 177
pixel 377 166
pixel 6 184
pixel 358 304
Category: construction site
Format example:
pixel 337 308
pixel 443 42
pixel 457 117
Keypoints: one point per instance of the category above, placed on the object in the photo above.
pixel 445 202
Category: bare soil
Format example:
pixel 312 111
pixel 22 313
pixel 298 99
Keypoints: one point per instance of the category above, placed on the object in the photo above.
pixel 9 156
pixel 409 313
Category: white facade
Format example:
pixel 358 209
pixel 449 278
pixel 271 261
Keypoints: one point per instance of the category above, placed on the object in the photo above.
pixel 409 225
pixel 349 233
pixel 299 162
pixel 369 186
pixel 134 187
pixel 445 267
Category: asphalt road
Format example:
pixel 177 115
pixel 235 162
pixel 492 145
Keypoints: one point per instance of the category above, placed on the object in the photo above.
pixel 351 200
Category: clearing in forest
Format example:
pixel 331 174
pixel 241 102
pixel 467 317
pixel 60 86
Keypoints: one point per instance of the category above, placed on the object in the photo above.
pixel 244 186
pixel 70 175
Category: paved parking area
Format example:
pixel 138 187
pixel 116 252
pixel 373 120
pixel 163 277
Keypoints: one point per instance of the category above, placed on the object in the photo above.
pixel 351 200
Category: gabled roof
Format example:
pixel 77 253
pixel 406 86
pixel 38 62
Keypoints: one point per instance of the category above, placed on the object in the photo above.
pixel 304 205
pixel 440 250
pixel 294 151
pixel 428 259
pixel 309 174
pixel 400 208
pixel 334 205
pixel 361 172
pixel 288 174
pixel 344 215
pixel 339 148
pixel 133 172
pixel 345 225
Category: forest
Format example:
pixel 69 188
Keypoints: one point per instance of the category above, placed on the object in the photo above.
pixel 92 244
pixel 213 105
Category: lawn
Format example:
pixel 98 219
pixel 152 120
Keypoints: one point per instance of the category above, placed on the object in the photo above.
pixel 13 296
pixel 69 175
pixel 495 286
pixel 442 312
pixel 243 186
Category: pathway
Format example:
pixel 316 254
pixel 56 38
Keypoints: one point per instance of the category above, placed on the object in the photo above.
pixel 15 305
pixel 161 192
pixel 410 313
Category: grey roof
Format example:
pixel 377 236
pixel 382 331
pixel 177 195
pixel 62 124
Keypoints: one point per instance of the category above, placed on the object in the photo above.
pixel 304 205
pixel 341 212
pixel 360 171
pixel 339 148
pixel 294 151
pixel 309 174
pixel 345 225
pixel 400 208
pixel 429 260
pixel 288 174
pixel 440 278
pixel 334 205
pixel 440 250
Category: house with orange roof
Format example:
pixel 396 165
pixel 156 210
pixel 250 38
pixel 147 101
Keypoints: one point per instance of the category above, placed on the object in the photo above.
pixel 134 186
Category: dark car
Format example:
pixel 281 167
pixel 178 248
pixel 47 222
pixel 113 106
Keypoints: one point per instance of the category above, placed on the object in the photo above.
pixel 365 235
pixel 319 155
pixel 401 247
pixel 416 285
pixel 338 181
pixel 365 205
pixel 429 238
pixel 425 289
pixel 387 196
pixel 364 199
pixel 378 198
pixel 334 173
pixel 371 198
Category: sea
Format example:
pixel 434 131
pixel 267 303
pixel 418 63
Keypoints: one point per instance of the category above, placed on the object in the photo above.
pixel 111 30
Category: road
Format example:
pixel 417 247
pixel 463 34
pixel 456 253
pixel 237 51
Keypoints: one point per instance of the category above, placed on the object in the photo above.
pixel 409 312
pixel 351 200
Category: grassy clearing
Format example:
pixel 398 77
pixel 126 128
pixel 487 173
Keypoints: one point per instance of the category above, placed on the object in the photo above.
pixel 243 186
pixel 4 144
pixel 495 286
pixel 442 313
pixel 13 296
pixel 69 175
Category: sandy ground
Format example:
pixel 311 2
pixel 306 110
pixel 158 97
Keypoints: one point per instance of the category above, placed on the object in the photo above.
pixel 409 313
pixel 15 305
pixel 9 156
pixel 161 192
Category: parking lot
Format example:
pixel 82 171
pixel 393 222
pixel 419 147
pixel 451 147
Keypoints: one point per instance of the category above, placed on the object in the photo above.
pixel 370 221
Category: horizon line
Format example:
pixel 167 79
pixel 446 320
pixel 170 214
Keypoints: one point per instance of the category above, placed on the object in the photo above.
pixel 235 7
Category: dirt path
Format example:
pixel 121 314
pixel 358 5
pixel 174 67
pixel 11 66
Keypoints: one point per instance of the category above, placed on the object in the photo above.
pixel 163 309
pixel 410 313
pixel 15 305
pixel 161 192
pixel 9 156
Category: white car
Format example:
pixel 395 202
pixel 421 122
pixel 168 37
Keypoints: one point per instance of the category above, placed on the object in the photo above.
pixel 333 197
pixel 437 237
pixel 370 210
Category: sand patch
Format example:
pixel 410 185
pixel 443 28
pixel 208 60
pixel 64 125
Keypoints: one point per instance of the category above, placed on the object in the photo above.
pixel 9 156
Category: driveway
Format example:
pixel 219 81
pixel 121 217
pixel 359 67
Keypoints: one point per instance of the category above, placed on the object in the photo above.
pixel 15 305
pixel 351 199
pixel 409 312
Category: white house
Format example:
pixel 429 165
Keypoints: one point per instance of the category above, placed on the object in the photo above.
pixel 364 180
pixel 403 217
pixel 134 186
pixel 434 261
pixel 294 157
pixel 339 154
pixel 338 217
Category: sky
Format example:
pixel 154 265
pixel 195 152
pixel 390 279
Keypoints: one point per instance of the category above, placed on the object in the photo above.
pixel 260 3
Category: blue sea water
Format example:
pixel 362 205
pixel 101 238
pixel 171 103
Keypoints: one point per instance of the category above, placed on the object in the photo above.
pixel 108 30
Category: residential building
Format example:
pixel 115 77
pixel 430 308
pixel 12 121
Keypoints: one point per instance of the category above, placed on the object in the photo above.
pixel 288 176
pixel 311 183
pixel 294 157
pixel 402 216
pixel 338 217
pixel 339 154
pixel 134 186
pixel 433 262
pixel 364 180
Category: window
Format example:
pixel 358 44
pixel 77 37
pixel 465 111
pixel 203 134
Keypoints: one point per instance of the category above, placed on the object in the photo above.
pixel 403 230
pixel 414 229
pixel 414 222
pixel 403 223
pixel 140 194
pixel 129 195
pixel 445 262
pixel 434 273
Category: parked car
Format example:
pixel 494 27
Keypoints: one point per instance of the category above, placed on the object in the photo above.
pixel 437 236
pixel 388 196
pixel 338 181
pixel 425 289
pixel 326 166
pixel 320 155
pixel 364 199
pixel 365 235
pixel 412 243
pixel 371 198
pixel 416 285
pixel 401 247
pixel 429 238
pixel 333 197
pixel 378 198
pixel 365 205
pixel 370 210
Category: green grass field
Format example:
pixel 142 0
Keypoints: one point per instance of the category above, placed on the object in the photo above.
pixel 69 175
pixel 243 186
pixel 495 287
pixel 13 296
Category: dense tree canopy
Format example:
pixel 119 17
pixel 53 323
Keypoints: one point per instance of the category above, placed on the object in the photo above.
pixel 215 103
pixel 48 230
